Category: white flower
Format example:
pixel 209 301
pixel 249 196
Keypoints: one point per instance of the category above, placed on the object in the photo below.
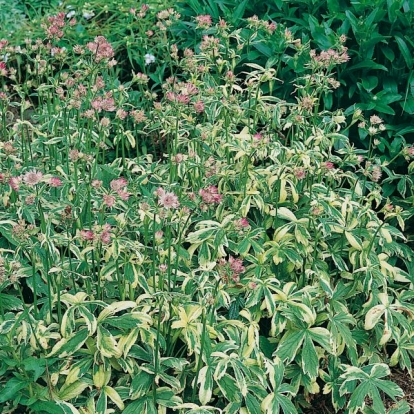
pixel 149 59
pixel 88 15
pixel 71 14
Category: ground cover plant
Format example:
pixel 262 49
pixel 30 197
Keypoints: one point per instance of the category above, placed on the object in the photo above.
pixel 177 236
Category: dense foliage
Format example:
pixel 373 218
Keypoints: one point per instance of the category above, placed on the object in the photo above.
pixel 203 209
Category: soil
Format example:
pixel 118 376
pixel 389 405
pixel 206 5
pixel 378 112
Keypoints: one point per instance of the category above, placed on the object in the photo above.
pixel 322 403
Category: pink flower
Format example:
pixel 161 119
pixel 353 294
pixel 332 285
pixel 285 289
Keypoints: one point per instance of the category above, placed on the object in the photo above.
pixel 32 178
pixel 329 165
pixel 106 237
pixel 96 183
pixel 109 200
pixel 257 137
pixel 376 173
pixel 236 265
pixel 168 200
pixel 199 107
pixel 100 48
pixel 87 235
pixel 210 195
pixel 183 99
pixel 300 174
pixel 118 184
pixel 55 182
pixel 14 183
pixel 203 21
pixel 243 222
pixel 159 192
pixel 124 195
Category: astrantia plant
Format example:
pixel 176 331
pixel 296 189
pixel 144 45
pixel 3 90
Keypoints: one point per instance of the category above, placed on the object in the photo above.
pixel 190 242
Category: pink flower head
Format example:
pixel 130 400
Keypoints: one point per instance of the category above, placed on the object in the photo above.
pixel 55 182
pixel 87 235
pixel 109 200
pixel 106 237
pixel 243 222
pixel 96 183
pixel 14 183
pixel 124 195
pixel 32 178
pixel 203 21
pixel 118 184
pixel 101 49
pixel 159 192
pixel 329 165
pixel 183 99
pixel 168 200
pixel 236 265
pixel 210 195
pixel 257 137
pixel 199 107
pixel 300 173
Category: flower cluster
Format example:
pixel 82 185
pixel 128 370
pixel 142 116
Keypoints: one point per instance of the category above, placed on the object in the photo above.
pixel 210 195
pixel 231 269
pixel 54 29
pixel 102 234
pixel 101 49
pixel 166 199
pixel 256 23
pixel 203 21
pixel 328 58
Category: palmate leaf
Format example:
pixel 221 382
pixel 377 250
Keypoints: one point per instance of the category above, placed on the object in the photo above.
pixel 229 388
pixel 278 399
pixel 310 362
pixel 294 339
pixel 370 384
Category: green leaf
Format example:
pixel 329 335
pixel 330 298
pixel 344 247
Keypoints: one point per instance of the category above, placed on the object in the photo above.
pixel 408 105
pixel 68 346
pixel 167 398
pixel 107 344
pixel 71 391
pixel 289 345
pixel 229 388
pixel 357 400
pixel 367 64
pixel 11 389
pixel 310 362
pixel 252 403
pixel 402 45
pixel 9 302
pixel 89 319
pixel 38 366
pixel 140 384
pixel 67 407
pixel 370 83
pixel 143 405
pixel 102 403
pixel 401 407
pixel 47 407
pixel 205 379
